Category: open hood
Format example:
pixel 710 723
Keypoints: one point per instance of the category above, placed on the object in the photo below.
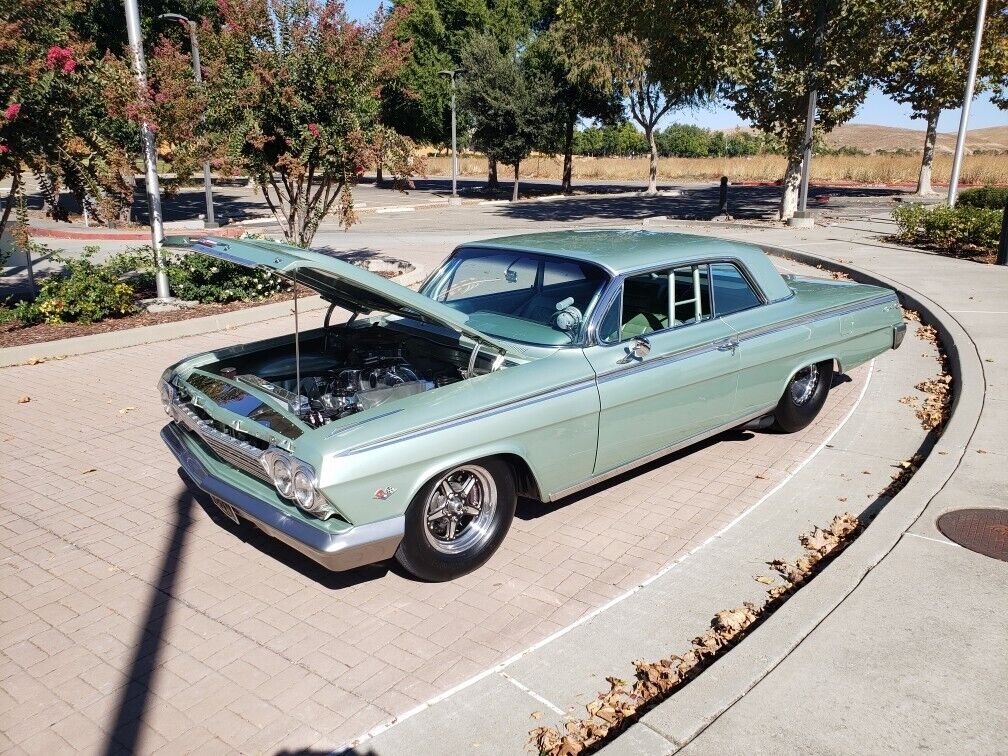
pixel 339 282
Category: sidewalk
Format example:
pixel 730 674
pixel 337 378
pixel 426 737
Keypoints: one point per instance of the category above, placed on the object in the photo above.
pixel 898 646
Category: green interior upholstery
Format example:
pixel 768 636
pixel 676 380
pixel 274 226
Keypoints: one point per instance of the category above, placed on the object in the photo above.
pixel 645 305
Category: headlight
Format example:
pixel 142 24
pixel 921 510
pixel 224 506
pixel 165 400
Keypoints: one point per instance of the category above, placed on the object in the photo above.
pixel 304 491
pixel 283 477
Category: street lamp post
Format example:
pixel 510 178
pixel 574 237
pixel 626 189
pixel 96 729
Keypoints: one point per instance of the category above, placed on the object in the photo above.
pixel 454 199
pixel 209 221
pixel 150 156
pixel 967 99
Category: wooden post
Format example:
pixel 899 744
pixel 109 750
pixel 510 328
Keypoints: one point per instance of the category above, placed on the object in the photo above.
pixel 1002 255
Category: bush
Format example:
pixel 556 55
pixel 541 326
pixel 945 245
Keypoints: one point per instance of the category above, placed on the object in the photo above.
pixel 949 228
pixel 82 293
pixel 988 198
pixel 198 277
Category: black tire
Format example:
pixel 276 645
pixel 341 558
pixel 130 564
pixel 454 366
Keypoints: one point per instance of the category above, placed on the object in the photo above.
pixel 459 541
pixel 801 403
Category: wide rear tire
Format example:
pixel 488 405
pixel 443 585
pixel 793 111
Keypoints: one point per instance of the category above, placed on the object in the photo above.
pixel 804 397
pixel 458 520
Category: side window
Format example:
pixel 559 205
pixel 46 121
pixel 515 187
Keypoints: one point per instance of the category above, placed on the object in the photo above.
pixel 732 292
pixel 490 274
pixel 645 304
pixel 609 327
pixel 692 303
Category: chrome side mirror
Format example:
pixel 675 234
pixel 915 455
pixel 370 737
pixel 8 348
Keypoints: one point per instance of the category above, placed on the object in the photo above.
pixel 641 348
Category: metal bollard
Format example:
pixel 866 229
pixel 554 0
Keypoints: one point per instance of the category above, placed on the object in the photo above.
pixel 1002 255
pixel 723 199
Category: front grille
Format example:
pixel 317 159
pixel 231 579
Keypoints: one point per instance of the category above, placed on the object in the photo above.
pixel 239 454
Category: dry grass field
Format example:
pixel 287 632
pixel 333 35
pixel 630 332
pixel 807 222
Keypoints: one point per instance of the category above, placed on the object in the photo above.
pixel 857 169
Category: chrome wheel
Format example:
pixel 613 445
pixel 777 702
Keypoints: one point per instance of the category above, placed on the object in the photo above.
pixel 804 384
pixel 459 511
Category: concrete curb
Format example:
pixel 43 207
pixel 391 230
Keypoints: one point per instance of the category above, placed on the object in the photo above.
pixel 127 337
pixel 686 714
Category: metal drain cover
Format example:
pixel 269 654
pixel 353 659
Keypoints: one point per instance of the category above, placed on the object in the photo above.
pixel 984 531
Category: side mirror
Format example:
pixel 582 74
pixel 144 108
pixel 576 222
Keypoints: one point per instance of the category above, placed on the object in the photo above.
pixel 640 349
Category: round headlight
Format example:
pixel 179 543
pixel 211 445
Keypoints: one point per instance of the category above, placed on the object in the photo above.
pixel 304 491
pixel 283 477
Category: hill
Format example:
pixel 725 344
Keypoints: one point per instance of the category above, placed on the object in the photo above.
pixel 874 138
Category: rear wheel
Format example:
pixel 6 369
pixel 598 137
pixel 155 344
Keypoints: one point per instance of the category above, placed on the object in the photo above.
pixel 458 520
pixel 804 397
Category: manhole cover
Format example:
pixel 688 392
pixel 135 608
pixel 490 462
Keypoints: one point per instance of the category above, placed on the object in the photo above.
pixel 984 531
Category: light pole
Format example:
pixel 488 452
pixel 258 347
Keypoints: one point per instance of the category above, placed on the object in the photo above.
pixel 967 99
pixel 454 199
pixel 150 156
pixel 209 221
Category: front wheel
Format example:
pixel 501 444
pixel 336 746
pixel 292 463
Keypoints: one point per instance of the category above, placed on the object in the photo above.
pixel 457 520
pixel 804 396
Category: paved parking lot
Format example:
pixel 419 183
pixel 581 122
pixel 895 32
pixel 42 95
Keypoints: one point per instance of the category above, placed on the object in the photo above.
pixel 134 616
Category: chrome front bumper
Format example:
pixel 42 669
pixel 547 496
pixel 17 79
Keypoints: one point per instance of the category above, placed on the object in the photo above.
pixel 357 546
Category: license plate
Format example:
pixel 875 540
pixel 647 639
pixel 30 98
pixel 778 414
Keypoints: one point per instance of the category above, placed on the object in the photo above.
pixel 227 509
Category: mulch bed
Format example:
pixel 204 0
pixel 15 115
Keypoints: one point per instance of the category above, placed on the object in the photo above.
pixel 16 334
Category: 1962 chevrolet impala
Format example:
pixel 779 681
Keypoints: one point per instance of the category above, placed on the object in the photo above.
pixel 532 365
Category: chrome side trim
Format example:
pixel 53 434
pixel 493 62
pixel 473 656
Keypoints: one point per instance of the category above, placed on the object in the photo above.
pixel 440 425
pixel 353 547
pixel 835 311
pixel 626 467
pixel 350 426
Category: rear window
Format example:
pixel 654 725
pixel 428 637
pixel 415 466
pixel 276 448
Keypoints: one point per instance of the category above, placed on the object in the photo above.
pixel 732 292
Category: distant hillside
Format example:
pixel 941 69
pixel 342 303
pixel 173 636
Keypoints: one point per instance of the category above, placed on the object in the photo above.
pixel 872 138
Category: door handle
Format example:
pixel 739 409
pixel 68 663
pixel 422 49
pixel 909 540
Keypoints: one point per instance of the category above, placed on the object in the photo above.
pixel 726 345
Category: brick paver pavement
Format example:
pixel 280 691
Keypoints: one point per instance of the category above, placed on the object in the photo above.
pixel 133 615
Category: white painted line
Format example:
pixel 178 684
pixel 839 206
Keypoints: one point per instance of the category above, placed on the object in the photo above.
pixel 548 704
pixel 979 312
pixel 942 541
pixel 395 210
pixel 501 666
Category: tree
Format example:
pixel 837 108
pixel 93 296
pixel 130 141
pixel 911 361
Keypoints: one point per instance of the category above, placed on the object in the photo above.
pixel 560 55
pixel 290 97
pixel 52 118
pixel 768 86
pixel 662 56
pixel 928 44
pixel 508 101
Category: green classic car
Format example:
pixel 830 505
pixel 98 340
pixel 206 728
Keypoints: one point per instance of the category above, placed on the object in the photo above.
pixel 532 365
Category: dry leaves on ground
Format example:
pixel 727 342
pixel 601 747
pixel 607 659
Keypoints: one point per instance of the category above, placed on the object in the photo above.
pixel 927 333
pixel 903 473
pixel 937 405
pixel 24 399
pixel 615 708
pixel 911 315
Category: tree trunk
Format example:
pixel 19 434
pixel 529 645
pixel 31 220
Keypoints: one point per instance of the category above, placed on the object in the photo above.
pixel 653 168
pixel 9 202
pixel 492 174
pixel 514 191
pixel 378 173
pixel 792 180
pixel 568 166
pixel 924 181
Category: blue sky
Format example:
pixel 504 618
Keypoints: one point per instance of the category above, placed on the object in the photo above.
pixel 877 108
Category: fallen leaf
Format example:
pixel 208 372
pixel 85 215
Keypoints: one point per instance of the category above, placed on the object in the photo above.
pixel 764 579
pixel 536 715
pixel 124 410
pixel 760 477
pixel 865 472
pixel 981 451
pixel 24 399
pixel 89 470
pixel 842 498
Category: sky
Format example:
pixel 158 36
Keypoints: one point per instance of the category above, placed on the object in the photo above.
pixel 877 108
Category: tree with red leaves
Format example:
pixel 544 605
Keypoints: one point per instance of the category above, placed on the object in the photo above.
pixel 290 97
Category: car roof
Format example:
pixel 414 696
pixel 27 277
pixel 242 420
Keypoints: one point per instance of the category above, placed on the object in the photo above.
pixel 620 250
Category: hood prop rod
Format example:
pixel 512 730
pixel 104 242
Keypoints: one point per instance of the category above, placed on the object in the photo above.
pixel 472 359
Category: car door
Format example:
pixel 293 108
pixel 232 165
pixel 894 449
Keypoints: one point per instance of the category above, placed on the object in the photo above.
pixel 765 351
pixel 684 386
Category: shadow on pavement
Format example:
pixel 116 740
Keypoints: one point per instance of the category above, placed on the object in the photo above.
pixel 125 727
pixel 315 752
pixel 283 553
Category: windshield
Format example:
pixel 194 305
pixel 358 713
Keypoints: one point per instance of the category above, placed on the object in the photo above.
pixel 520 296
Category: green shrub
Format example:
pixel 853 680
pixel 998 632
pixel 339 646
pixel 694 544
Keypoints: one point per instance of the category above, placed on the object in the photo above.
pixel 83 293
pixel 989 198
pixel 908 218
pixel 198 277
pixel 947 227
